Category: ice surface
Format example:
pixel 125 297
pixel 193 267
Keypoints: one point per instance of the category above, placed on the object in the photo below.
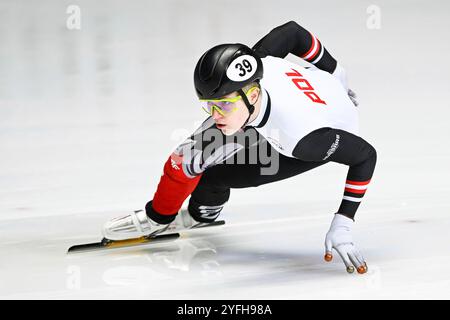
pixel 88 117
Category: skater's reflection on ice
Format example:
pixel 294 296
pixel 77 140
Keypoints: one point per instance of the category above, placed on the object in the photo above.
pixel 196 257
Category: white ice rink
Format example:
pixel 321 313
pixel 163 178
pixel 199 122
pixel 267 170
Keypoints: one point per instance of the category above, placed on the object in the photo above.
pixel 88 118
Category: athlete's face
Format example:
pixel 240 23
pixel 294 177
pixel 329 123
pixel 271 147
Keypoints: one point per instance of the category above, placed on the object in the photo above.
pixel 231 123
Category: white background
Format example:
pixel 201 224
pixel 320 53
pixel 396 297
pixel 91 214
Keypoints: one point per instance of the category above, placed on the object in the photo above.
pixel 88 117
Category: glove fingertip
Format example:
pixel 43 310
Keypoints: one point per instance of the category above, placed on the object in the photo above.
pixel 362 269
pixel 350 269
pixel 328 246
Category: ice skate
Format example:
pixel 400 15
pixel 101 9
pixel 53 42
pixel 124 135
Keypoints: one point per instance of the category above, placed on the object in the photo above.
pixel 137 228
pixel 137 224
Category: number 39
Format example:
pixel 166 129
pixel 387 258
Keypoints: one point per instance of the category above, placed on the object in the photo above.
pixel 245 67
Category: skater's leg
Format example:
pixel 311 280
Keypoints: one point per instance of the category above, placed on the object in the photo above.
pixel 213 190
pixel 207 201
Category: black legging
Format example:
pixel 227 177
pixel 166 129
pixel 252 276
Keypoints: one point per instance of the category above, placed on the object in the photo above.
pixel 214 187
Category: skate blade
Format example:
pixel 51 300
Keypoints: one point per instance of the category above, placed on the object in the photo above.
pixel 206 225
pixel 107 244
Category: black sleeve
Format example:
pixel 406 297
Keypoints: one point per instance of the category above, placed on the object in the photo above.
pixel 327 144
pixel 292 38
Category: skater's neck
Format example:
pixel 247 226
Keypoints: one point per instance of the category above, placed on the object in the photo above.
pixel 260 106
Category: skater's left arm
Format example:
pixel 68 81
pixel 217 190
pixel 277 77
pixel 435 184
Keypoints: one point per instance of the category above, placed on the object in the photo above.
pixel 294 39
pixel 328 144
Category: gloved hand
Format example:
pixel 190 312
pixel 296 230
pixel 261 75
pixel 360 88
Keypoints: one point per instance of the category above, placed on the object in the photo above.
pixel 352 95
pixel 341 75
pixel 339 238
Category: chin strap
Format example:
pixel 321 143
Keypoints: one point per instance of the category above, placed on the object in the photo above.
pixel 250 107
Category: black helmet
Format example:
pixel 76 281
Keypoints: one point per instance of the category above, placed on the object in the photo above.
pixel 226 68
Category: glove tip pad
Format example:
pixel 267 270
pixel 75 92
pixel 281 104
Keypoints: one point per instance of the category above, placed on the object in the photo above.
pixel 350 269
pixel 362 269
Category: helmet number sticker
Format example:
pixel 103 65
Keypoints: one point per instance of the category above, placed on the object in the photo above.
pixel 242 68
pixel 247 65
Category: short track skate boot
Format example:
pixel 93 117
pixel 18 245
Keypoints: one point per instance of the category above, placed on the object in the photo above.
pixel 137 228
pixel 137 224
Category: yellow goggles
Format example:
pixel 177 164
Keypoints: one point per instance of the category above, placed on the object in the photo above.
pixel 223 106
